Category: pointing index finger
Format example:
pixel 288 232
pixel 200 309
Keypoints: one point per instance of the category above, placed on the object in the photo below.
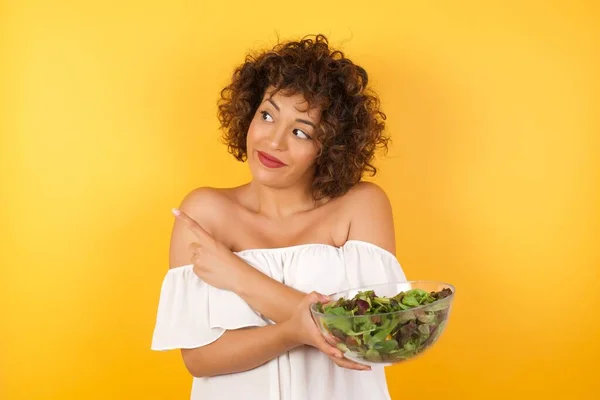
pixel 192 225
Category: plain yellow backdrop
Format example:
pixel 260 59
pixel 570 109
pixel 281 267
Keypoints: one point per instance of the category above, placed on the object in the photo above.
pixel 108 118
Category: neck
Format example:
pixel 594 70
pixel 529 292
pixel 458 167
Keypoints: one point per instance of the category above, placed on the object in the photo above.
pixel 280 203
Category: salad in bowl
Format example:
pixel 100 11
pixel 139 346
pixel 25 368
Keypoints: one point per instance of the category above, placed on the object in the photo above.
pixel 388 323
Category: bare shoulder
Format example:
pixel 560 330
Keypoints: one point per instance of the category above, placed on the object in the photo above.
pixel 209 207
pixel 365 190
pixel 370 213
pixel 206 204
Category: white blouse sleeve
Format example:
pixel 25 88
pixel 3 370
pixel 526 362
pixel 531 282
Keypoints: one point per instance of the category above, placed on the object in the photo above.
pixel 368 264
pixel 192 313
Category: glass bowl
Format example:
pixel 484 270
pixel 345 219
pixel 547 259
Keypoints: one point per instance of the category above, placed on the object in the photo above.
pixel 369 333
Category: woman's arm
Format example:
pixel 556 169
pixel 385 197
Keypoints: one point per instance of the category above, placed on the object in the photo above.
pixel 244 349
pixel 239 350
pixel 366 206
pixel 269 297
pixel 369 211
pixel 207 207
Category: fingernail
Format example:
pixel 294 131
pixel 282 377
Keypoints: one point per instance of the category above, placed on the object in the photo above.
pixel 176 212
pixel 339 355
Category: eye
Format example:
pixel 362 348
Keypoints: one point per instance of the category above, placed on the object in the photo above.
pixel 266 116
pixel 301 134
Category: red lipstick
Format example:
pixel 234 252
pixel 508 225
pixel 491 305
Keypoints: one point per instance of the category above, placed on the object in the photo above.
pixel 269 161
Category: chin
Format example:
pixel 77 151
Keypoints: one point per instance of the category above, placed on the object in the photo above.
pixel 270 178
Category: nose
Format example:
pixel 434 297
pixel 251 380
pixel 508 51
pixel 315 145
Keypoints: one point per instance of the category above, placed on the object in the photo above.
pixel 277 139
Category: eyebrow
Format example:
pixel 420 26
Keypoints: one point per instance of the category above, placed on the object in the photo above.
pixel 274 105
pixel 297 119
pixel 306 122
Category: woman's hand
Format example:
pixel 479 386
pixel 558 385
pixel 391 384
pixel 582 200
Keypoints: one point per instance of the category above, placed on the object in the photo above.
pixel 303 329
pixel 213 262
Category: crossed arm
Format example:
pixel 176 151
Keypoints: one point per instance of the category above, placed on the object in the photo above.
pixel 276 301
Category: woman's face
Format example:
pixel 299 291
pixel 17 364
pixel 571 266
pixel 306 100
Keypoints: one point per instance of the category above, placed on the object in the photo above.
pixel 280 142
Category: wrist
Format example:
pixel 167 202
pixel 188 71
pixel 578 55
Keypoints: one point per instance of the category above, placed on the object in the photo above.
pixel 289 333
pixel 242 281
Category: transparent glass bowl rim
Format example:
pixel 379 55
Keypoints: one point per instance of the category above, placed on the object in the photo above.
pixel 448 299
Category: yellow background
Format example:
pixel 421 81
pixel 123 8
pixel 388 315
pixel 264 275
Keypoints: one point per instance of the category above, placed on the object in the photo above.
pixel 108 117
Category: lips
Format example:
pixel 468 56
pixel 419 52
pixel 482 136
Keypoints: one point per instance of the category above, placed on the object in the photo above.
pixel 269 161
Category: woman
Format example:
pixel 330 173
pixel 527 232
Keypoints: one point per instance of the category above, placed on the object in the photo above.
pixel 246 262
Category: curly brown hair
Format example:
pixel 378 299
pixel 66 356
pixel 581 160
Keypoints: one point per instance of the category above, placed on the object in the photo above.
pixel 351 127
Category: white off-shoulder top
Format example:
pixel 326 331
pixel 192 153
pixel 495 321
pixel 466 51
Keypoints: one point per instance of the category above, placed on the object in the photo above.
pixel 192 313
